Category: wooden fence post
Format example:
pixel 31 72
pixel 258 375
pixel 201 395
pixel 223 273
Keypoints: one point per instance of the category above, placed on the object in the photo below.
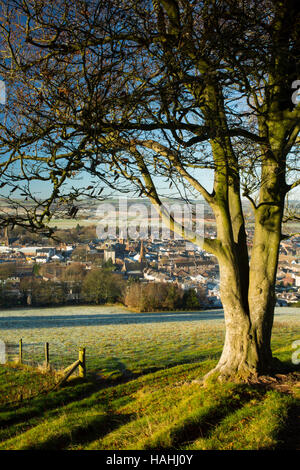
pixel 20 351
pixel 47 355
pixel 82 367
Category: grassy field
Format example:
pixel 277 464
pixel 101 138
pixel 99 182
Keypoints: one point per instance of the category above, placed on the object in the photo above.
pixel 140 391
pixel 118 342
pixel 64 224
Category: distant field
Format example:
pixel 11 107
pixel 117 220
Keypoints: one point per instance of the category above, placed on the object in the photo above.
pixel 119 342
pixel 72 223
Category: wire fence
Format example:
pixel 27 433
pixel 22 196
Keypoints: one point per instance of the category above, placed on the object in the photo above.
pixel 58 356
pixel 39 354
pixel 116 353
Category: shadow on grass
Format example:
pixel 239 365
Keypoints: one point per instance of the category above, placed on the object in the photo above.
pixel 289 436
pixel 31 410
pixel 120 373
pixel 195 427
pixel 36 406
pixel 73 391
pixel 284 367
pixel 95 429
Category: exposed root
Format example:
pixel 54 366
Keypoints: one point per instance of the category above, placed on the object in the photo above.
pixel 282 382
pixel 225 373
pixel 243 372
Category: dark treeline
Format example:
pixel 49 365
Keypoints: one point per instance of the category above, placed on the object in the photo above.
pixel 97 286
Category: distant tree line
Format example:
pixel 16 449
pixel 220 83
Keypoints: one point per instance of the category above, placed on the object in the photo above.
pixel 72 235
pixel 162 296
pixel 97 286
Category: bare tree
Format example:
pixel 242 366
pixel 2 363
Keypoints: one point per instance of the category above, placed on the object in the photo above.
pixel 131 92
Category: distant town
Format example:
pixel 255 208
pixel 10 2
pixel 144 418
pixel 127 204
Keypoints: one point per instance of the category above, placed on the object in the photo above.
pixel 76 251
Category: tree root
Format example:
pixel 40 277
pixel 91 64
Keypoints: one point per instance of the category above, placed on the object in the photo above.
pixel 280 377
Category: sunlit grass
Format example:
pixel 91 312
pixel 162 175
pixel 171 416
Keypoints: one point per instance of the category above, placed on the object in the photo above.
pixel 140 391
pixel 254 426
pixel 162 410
pixel 19 383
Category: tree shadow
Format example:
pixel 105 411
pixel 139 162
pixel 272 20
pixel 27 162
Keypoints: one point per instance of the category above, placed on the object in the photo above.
pixel 76 389
pixel 36 406
pixel 289 436
pixel 73 390
pixel 83 435
pixel 194 428
pixel 284 367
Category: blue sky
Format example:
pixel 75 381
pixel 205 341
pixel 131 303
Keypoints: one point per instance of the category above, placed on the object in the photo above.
pixel 205 177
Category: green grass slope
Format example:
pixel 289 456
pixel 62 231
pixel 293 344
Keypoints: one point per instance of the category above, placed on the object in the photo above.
pixel 166 409
pixel 149 399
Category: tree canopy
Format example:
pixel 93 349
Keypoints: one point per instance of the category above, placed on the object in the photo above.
pixel 134 94
pixel 123 91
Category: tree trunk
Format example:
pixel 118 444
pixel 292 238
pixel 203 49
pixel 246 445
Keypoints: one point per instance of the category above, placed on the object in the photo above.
pixel 247 349
pixel 246 352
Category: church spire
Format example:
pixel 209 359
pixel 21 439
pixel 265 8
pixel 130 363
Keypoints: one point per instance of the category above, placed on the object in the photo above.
pixel 6 239
pixel 142 252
